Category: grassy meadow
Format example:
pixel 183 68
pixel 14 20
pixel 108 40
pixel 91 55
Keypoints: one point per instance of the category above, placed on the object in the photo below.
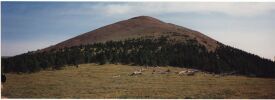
pixel 113 81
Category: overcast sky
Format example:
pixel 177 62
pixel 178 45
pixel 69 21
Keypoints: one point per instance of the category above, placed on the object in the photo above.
pixel 28 26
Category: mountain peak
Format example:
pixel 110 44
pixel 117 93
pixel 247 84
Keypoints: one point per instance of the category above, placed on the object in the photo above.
pixel 145 18
pixel 135 27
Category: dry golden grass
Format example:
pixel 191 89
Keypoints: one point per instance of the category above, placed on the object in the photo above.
pixel 113 81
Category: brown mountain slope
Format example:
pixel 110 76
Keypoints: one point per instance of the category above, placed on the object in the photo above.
pixel 137 27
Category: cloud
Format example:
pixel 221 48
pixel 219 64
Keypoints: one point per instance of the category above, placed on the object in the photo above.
pixel 232 9
pixel 151 8
pixel 118 9
pixel 241 9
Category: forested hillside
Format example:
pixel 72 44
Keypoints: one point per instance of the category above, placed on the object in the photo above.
pixel 145 51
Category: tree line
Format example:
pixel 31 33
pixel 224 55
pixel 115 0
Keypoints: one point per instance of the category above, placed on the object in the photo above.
pixel 145 52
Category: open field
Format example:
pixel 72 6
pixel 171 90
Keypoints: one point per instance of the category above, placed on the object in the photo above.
pixel 113 81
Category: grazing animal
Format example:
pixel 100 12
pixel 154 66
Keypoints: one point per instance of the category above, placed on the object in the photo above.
pixel 161 72
pixel 116 76
pixel 142 70
pixel 153 71
pixel 188 72
pixel 136 73
pixel 76 65
pixel 168 70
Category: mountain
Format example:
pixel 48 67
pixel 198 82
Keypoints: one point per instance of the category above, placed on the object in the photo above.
pixel 144 41
pixel 134 28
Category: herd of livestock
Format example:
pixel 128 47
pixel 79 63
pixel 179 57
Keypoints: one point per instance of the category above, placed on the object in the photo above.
pixel 188 72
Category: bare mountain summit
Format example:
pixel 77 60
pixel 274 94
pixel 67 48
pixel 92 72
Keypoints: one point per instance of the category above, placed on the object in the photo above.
pixel 141 26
